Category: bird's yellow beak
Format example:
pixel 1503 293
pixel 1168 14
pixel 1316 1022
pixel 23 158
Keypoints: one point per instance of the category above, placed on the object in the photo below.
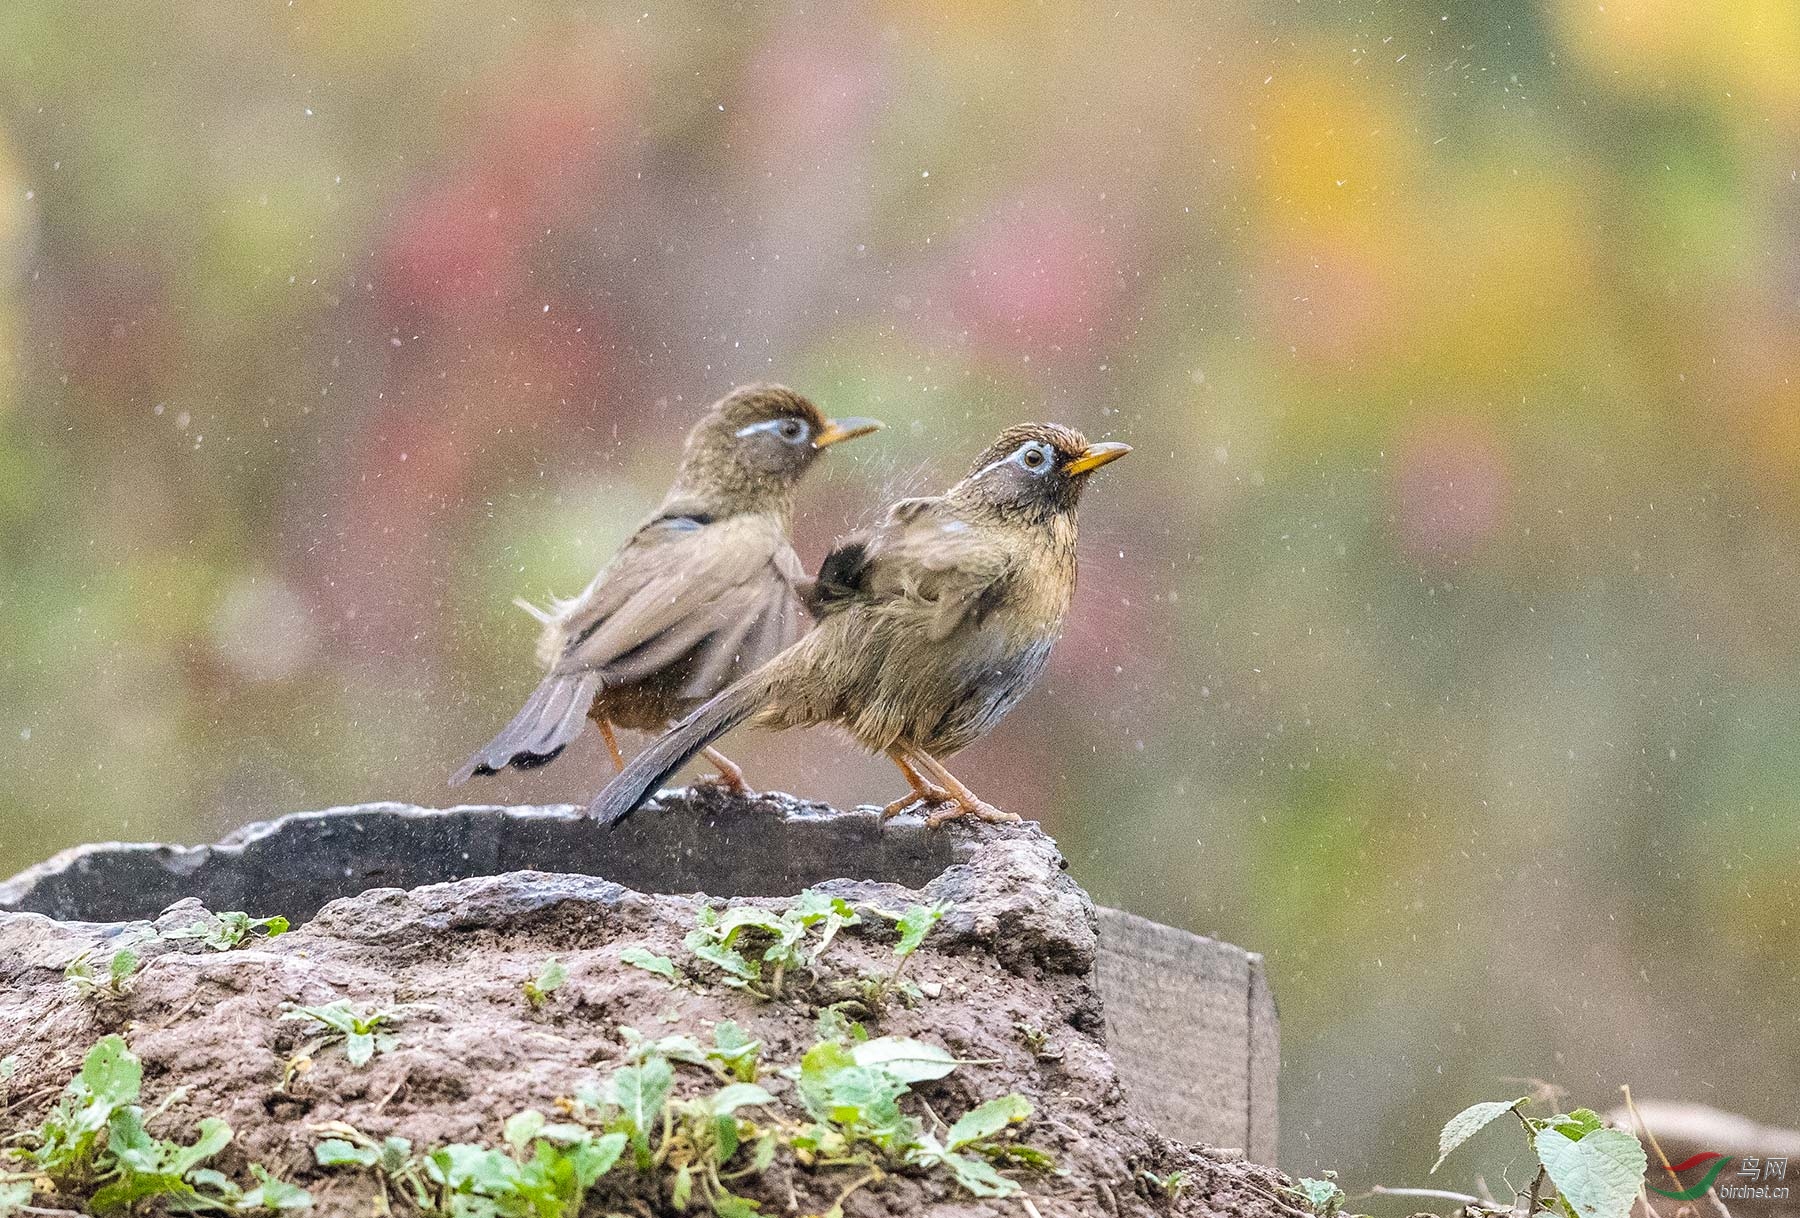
pixel 839 430
pixel 1095 456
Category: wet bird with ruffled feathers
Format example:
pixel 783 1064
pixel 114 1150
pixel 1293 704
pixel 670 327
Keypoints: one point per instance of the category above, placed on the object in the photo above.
pixel 931 627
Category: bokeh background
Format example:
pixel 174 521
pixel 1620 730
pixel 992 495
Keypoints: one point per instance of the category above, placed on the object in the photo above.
pixel 1440 641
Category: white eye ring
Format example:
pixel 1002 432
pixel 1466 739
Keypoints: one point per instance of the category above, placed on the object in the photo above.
pixel 790 429
pixel 1033 457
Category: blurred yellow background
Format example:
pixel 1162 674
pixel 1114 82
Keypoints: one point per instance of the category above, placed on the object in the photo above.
pixel 1440 640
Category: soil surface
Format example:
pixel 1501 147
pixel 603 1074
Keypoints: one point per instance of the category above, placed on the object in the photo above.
pixel 1013 957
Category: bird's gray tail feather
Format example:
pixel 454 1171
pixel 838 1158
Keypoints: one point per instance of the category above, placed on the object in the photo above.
pixel 651 768
pixel 550 718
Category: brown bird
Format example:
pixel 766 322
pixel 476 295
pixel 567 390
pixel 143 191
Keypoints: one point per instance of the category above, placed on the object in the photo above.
pixel 931 627
pixel 702 593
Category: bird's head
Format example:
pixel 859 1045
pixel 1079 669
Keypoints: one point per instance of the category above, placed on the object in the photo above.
pixel 757 440
pixel 1037 468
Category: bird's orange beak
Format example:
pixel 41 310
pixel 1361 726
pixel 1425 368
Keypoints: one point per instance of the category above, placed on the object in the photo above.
pixel 1095 456
pixel 838 430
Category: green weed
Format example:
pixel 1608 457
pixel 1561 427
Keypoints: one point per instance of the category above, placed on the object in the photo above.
pixel 549 979
pixel 95 1144
pixel 223 931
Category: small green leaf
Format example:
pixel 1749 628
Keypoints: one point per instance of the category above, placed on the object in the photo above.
pixel 124 963
pixel 979 1176
pixel 215 1135
pixel 521 1129
pixel 741 917
pixel 549 979
pixel 640 1093
pixel 988 1119
pixel 335 1152
pixel 650 962
pixel 910 1061
pixel 735 1050
pixel 725 1205
pixel 1575 1125
pixel 764 1154
pixel 597 1156
pixel 14 1195
pixel 833 1024
pixel 1598 1176
pixel 272 1194
pixel 1323 1197
pixel 211 1180
pixel 1469 1122
pixel 1024 1156
pixel 914 925
pixel 721 957
pixel 359 1047
pixel 740 1095
pixel 683 1191
pixel 111 1073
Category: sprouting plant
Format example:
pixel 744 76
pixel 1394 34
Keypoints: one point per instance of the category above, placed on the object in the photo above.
pixel 363 1030
pixel 732 1055
pixel 545 1171
pixel 834 1023
pixel 1322 1197
pixel 650 962
pixel 696 1146
pixel 391 1160
pixel 692 1142
pixel 549 979
pixel 730 941
pixel 92 980
pixel 1169 1186
pixel 735 1052
pixel 95 1143
pixel 1037 1040
pixel 223 931
pixel 854 1092
pixel 1595 1171
pixel 913 923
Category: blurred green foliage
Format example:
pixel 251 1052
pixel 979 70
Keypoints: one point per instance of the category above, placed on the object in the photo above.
pixel 1439 642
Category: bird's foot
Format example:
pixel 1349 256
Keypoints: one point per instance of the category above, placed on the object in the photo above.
pixel 979 809
pixel 930 795
pixel 729 778
pixel 732 783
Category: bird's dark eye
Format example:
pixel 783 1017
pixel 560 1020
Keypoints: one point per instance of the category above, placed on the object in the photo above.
pixel 792 429
pixel 1033 458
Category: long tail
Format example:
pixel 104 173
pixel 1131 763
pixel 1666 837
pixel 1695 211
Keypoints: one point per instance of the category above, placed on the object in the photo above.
pixel 651 768
pixel 550 718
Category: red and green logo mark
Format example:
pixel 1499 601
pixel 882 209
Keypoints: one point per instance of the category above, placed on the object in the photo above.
pixel 1716 1164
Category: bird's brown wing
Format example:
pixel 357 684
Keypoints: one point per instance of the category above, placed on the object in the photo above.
pixel 756 624
pixel 923 552
pixel 676 587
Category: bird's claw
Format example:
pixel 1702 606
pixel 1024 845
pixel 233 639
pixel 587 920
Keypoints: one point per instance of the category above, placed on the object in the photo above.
pixel 931 795
pixel 979 809
pixel 732 783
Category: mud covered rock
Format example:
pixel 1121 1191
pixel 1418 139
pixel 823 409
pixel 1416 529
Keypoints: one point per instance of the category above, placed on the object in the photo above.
pixel 1006 980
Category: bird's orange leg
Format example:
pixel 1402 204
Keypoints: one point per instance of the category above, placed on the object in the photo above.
pixel 731 775
pixel 923 790
pixel 962 801
pixel 612 742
